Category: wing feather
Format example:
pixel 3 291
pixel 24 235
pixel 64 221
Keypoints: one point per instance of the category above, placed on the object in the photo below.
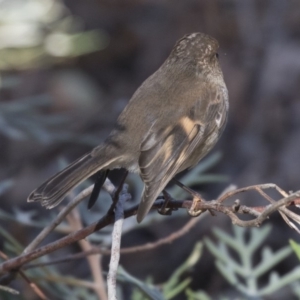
pixel 167 152
pixel 161 162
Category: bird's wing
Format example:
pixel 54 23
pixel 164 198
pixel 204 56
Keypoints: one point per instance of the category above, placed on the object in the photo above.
pixel 162 154
pixel 166 152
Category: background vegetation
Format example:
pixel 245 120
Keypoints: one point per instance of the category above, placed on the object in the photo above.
pixel 68 68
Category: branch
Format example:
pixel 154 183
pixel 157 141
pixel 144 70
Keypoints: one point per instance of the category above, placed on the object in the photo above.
pixel 260 213
pixel 129 250
pixel 118 205
pixel 108 186
pixel 94 262
pixel 60 217
pixel 31 284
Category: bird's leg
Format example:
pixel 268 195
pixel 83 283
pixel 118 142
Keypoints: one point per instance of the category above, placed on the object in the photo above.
pixel 196 199
pixel 116 193
pixel 100 179
pixel 164 210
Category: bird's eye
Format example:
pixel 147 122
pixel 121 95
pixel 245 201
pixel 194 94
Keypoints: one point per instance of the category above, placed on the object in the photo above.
pixel 217 55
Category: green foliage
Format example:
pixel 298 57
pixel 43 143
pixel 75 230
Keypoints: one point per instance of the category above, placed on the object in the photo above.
pixel 146 289
pixel 49 278
pixel 242 273
pixel 296 247
pixel 176 284
pixel 23 119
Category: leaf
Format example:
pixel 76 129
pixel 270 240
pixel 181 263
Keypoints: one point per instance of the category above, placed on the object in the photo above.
pixel 148 289
pixel 241 272
pixel 296 247
pixel 174 280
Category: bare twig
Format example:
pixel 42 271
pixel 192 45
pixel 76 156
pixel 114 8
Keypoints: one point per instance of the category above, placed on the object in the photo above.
pixel 60 217
pixel 58 244
pixel 129 250
pixel 9 290
pixel 122 196
pixel 108 186
pixel 32 285
pixel 257 188
pixel 93 261
pixel 261 213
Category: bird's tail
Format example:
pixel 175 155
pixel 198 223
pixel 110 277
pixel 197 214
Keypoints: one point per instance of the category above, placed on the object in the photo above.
pixel 54 190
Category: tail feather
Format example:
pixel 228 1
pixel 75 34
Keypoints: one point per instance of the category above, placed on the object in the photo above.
pixel 54 190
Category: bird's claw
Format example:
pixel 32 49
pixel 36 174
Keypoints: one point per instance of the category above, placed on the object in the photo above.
pixel 193 211
pixel 164 210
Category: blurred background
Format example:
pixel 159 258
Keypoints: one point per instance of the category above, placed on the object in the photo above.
pixel 68 68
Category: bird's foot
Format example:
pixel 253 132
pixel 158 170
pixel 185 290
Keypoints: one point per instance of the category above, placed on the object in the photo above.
pixel 193 211
pixel 164 210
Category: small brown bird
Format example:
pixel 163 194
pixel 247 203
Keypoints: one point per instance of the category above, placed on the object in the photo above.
pixel 173 119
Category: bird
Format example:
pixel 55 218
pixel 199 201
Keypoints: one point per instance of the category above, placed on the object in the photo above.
pixel 170 123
